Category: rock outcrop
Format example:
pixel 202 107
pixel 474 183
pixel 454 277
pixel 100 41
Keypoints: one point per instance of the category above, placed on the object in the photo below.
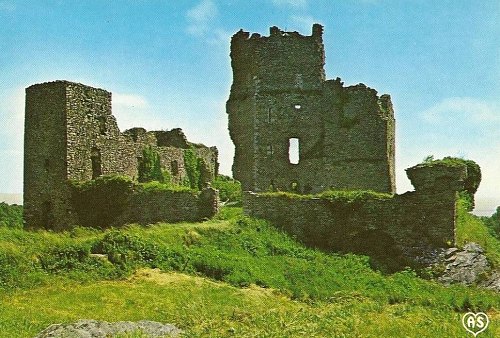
pixel 86 328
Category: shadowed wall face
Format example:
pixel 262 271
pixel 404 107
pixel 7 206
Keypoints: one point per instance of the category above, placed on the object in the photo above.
pixel 408 227
pixel 295 131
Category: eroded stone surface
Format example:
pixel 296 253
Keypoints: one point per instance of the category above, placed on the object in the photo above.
pixel 101 329
pixel 469 266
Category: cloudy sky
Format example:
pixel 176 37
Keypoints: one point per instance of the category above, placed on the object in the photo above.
pixel 167 64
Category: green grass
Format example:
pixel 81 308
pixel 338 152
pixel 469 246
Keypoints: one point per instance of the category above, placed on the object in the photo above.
pixel 471 228
pixel 231 276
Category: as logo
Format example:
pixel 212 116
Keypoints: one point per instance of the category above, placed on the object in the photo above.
pixel 475 323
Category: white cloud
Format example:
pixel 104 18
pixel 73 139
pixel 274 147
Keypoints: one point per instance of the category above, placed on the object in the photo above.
pixel 302 23
pixel 12 115
pixel 292 3
pixel 131 110
pixel 200 17
pixel 463 109
pixel 129 101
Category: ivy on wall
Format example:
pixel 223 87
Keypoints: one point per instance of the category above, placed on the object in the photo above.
pixel 192 164
pixel 149 166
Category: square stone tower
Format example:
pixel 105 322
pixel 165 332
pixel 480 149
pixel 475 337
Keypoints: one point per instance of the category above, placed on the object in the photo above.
pixel 61 120
pixel 293 130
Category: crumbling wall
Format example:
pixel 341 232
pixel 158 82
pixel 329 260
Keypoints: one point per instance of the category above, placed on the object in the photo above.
pixel 410 225
pixel 279 93
pixel 71 134
pixel 133 202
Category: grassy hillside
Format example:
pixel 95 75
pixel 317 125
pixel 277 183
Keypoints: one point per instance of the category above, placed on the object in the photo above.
pixel 231 276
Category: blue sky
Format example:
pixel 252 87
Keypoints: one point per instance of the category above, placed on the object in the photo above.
pixel 167 65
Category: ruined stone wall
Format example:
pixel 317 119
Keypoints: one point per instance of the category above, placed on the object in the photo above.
pixel 171 206
pixel 410 225
pixel 279 93
pixel 71 134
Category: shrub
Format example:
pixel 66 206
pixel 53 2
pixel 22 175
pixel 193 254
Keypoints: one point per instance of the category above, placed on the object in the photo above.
pixel 229 189
pixel 100 202
pixel 13 269
pixel 11 216
pixel 493 223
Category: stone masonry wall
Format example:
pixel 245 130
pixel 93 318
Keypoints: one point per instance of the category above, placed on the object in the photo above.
pixel 408 225
pixel 46 195
pixel 279 93
pixel 170 206
pixel 71 134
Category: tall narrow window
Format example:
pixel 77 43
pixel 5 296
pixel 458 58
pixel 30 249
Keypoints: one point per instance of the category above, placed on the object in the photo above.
pixel 293 150
pixel 95 157
pixel 175 167
pixel 46 165
pixel 102 125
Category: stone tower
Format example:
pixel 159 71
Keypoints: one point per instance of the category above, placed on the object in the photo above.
pixel 61 119
pixel 293 130
pixel 71 134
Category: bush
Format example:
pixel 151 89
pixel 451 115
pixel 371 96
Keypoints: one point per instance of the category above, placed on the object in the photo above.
pixel 14 269
pixel 229 189
pixel 100 202
pixel 11 216
pixel 129 251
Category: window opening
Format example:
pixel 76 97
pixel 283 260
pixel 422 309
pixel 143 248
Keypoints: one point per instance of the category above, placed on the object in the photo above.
pixel 95 157
pixel 102 125
pixel 270 150
pixel 293 150
pixel 175 167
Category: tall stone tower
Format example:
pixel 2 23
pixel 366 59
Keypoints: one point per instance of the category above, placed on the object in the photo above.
pixel 61 121
pixel 293 130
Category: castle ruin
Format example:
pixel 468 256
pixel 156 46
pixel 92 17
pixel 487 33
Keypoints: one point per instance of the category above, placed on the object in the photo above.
pixel 294 131
pixel 71 135
pixel 281 103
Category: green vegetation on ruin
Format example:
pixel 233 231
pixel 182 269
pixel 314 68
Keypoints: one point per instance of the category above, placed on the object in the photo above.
pixel 230 276
pixel 340 196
